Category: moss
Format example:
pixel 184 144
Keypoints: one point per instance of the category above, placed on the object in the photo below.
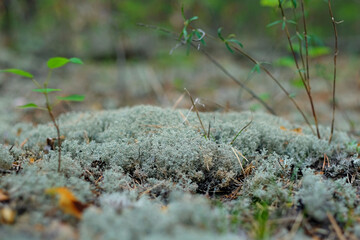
pixel 186 216
pixel 320 196
pixel 6 159
pixel 140 164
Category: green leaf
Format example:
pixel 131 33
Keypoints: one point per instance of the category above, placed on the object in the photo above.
pixel 269 3
pixel 219 34
pixel 285 62
pixel 57 62
pixel 283 25
pixel 76 60
pixel 256 68
pixel 228 47
pixel 182 12
pixel 29 105
pixel 318 51
pixel 264 96
pixel 46 90
pixel 235 41
pixel 255 107
pixel 185 33
pixel 199 35
pixel 294 2
pixel 292 22
pixel 18 72
pixel 298 83
pixel 73 98
pixel 274 23
pixel 299 36
pixel 193 18
pixel 274 3
pixel 292 95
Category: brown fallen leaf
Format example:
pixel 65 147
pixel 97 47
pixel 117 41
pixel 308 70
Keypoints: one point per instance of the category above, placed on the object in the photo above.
pixel 3 196
pixel 295 130
pixel 68 203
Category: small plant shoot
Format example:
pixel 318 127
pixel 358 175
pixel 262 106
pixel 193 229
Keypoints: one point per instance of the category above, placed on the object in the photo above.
pixel 52 64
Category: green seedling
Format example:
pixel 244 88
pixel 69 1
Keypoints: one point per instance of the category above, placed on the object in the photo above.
pixel 52 64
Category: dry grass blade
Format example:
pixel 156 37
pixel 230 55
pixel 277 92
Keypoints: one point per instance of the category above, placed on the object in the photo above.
pixel 336 227
pixel 178 101
pixel 237 157
pixel 197 112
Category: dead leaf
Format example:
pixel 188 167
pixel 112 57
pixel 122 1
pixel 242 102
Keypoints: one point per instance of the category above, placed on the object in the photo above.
pixel 3 196
pixel 68 203
pixel 297 130
pixel 7 215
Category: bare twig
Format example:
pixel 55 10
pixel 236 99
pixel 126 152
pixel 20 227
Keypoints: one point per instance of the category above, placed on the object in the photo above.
pixel 237 81
pixel 241 84
pixel 334 81
pixel 278 83
pixel 196 110
pixel 305 80
pixel 216 63
pixel 306 41
pixel 336 226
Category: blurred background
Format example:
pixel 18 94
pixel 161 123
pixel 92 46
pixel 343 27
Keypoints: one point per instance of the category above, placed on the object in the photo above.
pixel 126 64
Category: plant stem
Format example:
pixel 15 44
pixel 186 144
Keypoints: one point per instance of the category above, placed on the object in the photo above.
pixel 306 41
pixel 291 46
pixel 217 64
pixel 300 40
pixel 197 112
pixel 336 51
pixel 241 84
pixel 278 83
pixel 49 109
pixel 305 80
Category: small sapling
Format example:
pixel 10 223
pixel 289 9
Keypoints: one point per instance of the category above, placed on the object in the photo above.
pixel 52 64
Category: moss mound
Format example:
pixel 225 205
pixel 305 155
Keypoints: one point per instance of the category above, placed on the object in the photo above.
pixel 134 165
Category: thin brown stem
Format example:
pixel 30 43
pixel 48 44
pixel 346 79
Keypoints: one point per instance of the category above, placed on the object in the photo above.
pixel 306 42
pixel 305 80
pixel 217 64
pixel 291 46
pixel 241 84
pixel 197 112
pixel 49 109
pixel 300 41
pixel 336 51
pixel 278 83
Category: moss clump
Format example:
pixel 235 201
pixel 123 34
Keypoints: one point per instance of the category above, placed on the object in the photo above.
pixel 185 217
pixel 130 165
pixel 6 159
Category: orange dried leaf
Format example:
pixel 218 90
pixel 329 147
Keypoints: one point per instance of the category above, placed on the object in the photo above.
pixel 32 160
pixel 297 130
pixel 3 196
pixel 68 203
pixel 283 128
